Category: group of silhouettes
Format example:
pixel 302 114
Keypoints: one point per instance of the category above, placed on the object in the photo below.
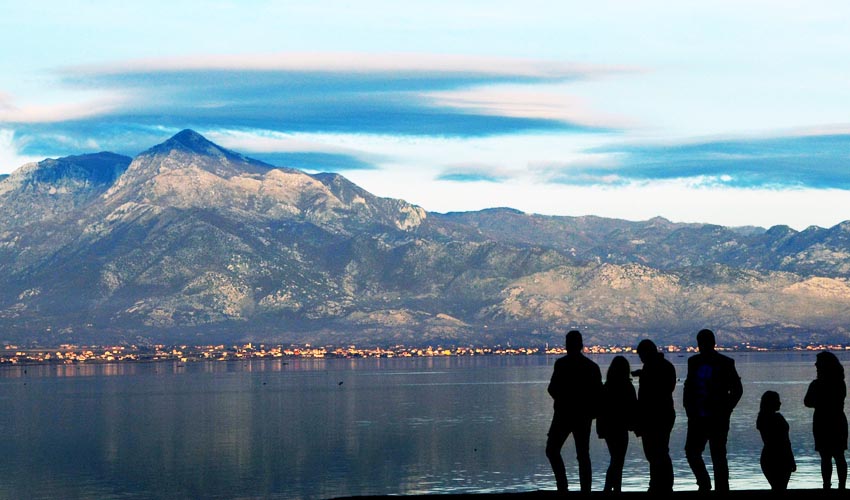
pixel 712 390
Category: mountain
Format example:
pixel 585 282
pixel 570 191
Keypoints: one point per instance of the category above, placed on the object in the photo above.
pixel 51 189
pixel 665 245
pixel 188 172
pixel 189 241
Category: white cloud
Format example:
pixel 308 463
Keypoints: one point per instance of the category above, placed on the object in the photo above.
pixel 678 200
pixel 10 159
pixel 5 102
pixel 275 142
pixel 519 101
pixel 73 106
pixel 477 172
pixel 358 63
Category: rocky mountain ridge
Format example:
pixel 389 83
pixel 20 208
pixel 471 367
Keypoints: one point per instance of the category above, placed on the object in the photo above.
pixel 54 187
pixel 192 241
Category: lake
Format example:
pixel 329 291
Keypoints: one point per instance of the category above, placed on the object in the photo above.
pixel 322 428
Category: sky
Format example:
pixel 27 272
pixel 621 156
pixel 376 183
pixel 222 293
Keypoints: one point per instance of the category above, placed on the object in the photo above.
pixel 726 112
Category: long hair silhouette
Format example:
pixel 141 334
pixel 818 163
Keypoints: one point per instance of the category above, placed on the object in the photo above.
pixel 619 370
pixel 829 367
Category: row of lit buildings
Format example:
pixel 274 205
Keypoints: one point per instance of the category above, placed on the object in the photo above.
pixel 70 354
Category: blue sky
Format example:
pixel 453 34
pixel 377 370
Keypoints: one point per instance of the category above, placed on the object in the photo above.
pixel 735 113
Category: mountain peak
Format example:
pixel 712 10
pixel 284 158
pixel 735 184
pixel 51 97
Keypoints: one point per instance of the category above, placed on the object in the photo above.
pixel 193 142
pixel 189 137
pixel 841 227
pixel 780 230
pixel 193 148
pixel 189 142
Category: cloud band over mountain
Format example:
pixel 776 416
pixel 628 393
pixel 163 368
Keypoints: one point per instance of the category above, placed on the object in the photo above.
pixel 804 161
pixel 819 162
pixel 408 95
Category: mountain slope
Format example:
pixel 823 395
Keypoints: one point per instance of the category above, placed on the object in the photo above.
pixel 189 172
pixel 662 244
pixel 193 241
pixel 51 189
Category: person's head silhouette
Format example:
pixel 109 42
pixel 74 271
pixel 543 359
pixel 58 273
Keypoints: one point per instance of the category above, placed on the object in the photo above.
pixel 770 402
pixel 619 369
pixel 574 342
pixel 828 366
pixel 705 341
pixel 646 350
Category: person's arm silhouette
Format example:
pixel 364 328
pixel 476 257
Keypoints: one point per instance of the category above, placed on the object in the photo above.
pixel 737 389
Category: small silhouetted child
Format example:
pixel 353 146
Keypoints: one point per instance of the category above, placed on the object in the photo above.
pixel 777 458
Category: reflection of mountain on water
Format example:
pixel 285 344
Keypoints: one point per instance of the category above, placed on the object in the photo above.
pixel 192 241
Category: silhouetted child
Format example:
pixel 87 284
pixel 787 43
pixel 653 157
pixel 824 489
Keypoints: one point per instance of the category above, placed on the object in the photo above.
pixel 826 395
pixel 616 418
pixel 777 458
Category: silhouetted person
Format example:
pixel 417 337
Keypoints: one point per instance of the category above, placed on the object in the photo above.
pixel 777 458
pixel 616 418
pixel 712 390
pixel 826 395
pixel 656 414
pixel 575 386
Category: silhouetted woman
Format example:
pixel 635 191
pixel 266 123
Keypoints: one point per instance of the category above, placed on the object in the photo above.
pixel 616 419
pixel 777 458
pixel 826 395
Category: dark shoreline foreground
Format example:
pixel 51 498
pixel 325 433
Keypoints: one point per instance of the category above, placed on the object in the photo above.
pixel 636 495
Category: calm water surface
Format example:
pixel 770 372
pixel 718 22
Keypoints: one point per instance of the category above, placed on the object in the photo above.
pixel 328 428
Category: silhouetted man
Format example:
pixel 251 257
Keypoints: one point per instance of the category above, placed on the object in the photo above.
pixel 656 414
pixel 712 390
pixel 576 386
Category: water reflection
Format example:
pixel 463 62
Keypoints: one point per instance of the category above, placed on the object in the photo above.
pixel 164 368
pixel 319 428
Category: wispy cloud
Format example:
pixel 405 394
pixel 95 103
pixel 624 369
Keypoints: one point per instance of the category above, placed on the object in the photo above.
pixel 320 162
pixel 86 136
pixel 409 94
pixel 588 169
pixel 82 108
pixel 286 150
pixel 10 147
pixel 805 161
pixel 394 66
pixel 528 102
pixel 474 173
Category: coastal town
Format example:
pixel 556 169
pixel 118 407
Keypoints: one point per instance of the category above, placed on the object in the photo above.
pixel 75 354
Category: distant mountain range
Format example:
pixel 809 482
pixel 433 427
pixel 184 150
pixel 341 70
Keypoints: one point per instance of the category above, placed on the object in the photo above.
pixel 192 242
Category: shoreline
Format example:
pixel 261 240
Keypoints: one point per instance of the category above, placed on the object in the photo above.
pixel 801 494
pixel 199 354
